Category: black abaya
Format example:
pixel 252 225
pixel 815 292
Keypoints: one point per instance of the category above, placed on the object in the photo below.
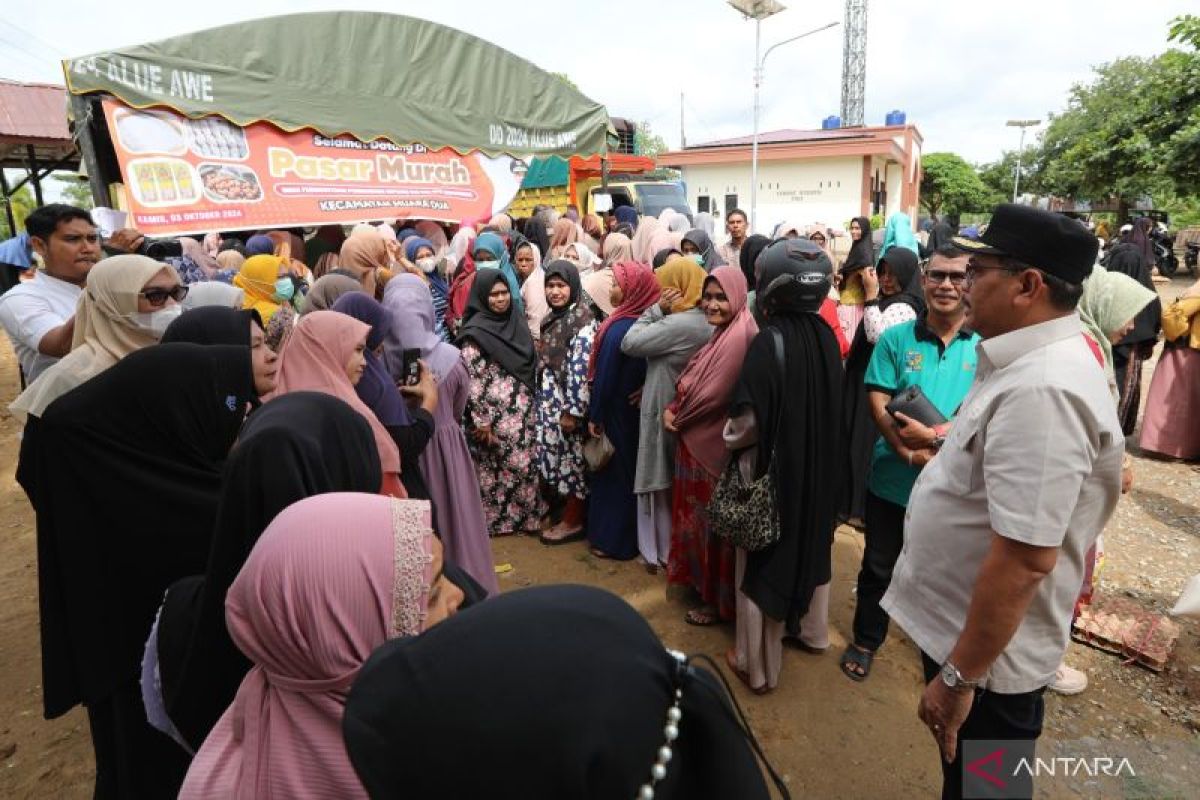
pixel 808 458
pixel 127 476
pixel 298 445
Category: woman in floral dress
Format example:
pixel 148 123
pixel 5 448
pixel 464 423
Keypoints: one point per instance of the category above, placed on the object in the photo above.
pixel 564 350
pixel 499 418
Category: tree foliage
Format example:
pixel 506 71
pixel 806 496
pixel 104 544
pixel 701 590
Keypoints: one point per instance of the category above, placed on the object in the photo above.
pixel 74 191
pixel 998 175
pixel 1133 130
pixel 949 185
pixel 22 203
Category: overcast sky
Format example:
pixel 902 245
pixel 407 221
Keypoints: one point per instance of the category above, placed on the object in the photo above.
pixel 959 69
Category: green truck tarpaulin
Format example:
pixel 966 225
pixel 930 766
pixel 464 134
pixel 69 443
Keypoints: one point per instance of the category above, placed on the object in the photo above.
pixel 366 74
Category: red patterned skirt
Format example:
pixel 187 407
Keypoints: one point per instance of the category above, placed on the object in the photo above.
pixel 697 558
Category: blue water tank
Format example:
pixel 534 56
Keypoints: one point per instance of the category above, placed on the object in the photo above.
pixel 895 117
pixel 831 123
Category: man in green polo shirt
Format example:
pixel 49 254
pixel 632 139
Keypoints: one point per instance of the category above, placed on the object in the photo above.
pixel 937 353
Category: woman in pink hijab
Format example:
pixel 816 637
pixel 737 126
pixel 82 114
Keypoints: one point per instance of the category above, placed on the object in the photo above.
pixel 332 578
pixel 326 353
pixel 697 416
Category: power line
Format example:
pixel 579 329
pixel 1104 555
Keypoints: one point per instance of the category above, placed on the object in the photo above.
pixel 33 36
pixel 22 48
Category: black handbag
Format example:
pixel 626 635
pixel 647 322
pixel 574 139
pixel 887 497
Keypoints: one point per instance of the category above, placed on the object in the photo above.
pixel 747 514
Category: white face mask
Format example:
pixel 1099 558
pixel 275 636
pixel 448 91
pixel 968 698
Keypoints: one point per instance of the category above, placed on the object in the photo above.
pixel 427 264
pixel 487 265
pixel 156 322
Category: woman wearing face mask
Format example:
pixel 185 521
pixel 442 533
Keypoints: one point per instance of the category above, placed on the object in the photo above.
pixel 564 350
pixel 128 304
pixel 328 354
pixel 332 578
pixel 698 246
pixel 697 416
pixel 420 252
pixel 269 289
pixel 613 412
pixel 527 262
pixel 490 253
pixel 499 418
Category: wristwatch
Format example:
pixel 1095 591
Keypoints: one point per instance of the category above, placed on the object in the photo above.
pixel 955 681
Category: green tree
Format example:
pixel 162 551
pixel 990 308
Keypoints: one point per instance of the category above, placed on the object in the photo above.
pixel 998 175
pixel 74 191
pixel 22 203
pixel 949 185
pixel 648 143
pixel 1133 130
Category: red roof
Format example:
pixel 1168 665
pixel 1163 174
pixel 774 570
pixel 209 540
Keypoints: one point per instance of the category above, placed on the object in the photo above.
pixel 787 135
pixel 33 111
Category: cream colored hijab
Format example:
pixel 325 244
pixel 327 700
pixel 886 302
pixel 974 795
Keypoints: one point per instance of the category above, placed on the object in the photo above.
pixel 104 331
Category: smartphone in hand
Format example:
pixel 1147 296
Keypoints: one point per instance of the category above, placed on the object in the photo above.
pixel 411 366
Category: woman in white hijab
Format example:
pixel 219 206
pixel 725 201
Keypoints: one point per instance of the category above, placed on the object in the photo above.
pixel 128 303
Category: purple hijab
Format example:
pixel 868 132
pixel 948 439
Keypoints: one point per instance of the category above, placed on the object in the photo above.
pixel 408 299
pixel 376 388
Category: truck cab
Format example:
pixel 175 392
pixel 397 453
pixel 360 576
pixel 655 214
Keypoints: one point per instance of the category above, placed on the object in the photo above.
pixel 649 198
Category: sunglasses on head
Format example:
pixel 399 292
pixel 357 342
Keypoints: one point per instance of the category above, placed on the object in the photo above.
pixel 157 296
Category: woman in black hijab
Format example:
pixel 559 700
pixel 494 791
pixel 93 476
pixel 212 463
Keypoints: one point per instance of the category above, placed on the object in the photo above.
pixel 595 731
pixel 903 299
pixel 299 445
pixel 127 484
pixel 786 412
pixel 218 325
pixel 500 415
pixel 748 255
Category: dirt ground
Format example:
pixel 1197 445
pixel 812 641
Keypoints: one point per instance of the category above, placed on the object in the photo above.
pixel 828 736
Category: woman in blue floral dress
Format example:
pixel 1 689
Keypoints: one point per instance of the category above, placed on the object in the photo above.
pixel 499 416
pixel 564 349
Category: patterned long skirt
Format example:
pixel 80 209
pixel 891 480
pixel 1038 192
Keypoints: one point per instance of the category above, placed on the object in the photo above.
pixel 697 558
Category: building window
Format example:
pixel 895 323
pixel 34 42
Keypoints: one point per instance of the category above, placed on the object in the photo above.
pixel 730 204
pixel 703 204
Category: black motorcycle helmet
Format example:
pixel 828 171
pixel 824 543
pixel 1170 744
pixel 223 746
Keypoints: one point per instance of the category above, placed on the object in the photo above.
pixel 793 275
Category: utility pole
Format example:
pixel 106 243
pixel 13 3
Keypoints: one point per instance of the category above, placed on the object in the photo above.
pixel 682 135
pixel 1022 124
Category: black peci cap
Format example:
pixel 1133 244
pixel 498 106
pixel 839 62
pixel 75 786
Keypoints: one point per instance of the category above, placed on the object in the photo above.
pixel 1053 243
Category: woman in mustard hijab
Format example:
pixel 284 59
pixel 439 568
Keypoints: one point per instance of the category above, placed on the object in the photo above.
pixel 269 290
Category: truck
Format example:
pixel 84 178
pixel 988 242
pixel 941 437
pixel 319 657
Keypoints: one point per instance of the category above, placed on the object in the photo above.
pixel 558 182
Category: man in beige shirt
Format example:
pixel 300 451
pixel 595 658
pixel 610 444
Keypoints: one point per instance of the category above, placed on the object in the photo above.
pixel 735 226
pixel 999 524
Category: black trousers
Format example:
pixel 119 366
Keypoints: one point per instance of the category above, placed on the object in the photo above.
pixel 993 716
pixel 884 537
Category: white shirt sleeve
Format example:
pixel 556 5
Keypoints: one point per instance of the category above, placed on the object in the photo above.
pixel 876 321
pixel 27 318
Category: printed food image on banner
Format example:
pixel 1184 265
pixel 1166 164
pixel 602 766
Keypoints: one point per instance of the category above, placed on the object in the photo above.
pixel 193 176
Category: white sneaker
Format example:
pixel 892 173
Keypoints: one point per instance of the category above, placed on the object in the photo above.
pixel 1068 680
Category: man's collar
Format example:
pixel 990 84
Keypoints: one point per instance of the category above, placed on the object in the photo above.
pixel 1008 347
pixel 923 331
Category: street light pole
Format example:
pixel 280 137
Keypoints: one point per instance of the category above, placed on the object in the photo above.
pixel 1022 124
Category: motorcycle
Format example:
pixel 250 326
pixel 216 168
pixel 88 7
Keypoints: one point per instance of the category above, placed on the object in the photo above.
pixel 1191 256
pixel 1164 252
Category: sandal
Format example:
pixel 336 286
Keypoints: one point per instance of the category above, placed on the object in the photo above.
pixel 553 541
pixel 702 616
pixel 743 676
pixel 855 656
pixel 597 552
pixel 800 644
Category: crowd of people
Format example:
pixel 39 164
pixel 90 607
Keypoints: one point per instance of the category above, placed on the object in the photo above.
pixel 266 466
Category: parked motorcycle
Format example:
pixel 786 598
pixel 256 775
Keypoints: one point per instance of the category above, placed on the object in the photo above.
pixel 1191 255
pixel 1164 252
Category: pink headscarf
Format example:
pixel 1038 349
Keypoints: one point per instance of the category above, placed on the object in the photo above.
pixel 641 290
pixel 315 361
pixel 706 383
pixel 332 578
pixel 643 238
